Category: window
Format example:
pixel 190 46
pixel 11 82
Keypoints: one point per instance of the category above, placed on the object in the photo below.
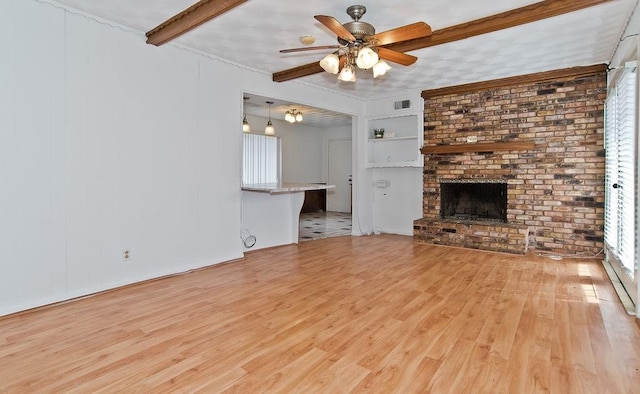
pixel 620 192
pixel 260 159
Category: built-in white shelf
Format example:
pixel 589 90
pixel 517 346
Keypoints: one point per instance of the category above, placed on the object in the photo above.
pixel 392 139
pixel 402 150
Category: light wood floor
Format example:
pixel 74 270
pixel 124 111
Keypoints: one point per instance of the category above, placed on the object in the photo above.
pixel 362 314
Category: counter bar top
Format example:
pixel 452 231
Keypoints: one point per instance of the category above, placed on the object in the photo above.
pixel 277 188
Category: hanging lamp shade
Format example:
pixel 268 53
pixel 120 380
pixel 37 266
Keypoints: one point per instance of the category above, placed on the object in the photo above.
pixel 380 68
pixel 348 74
pixel 367 58
pixel 330 63
pixel 245 123
pixel 269 130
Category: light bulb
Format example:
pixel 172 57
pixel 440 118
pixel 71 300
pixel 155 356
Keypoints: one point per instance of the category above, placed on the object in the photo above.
pixel 367 58
pixel 380 68
pixel 330 63
pixel 347 74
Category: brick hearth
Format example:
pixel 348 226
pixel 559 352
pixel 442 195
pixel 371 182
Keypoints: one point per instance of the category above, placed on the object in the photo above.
pixel 555 188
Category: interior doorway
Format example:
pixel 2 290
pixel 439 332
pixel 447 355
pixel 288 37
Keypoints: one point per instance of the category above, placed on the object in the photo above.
pixel 339 174
pixel 336 219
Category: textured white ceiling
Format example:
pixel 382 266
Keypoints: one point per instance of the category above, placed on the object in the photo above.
pixel 253 33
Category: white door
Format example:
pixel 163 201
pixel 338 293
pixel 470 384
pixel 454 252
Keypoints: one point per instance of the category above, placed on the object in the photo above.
pixel 339 156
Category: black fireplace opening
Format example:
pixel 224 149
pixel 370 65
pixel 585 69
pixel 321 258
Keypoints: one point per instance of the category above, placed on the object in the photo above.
pixel 478 201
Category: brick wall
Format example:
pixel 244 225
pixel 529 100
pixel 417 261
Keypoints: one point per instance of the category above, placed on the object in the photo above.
pixel 557 188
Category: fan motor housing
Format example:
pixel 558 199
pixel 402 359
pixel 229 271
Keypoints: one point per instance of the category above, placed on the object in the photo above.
pixel 360 29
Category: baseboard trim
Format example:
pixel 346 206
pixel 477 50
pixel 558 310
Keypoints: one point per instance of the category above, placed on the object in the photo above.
pixel 626 301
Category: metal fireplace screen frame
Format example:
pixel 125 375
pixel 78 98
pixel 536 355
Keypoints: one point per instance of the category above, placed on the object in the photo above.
pixel 474 200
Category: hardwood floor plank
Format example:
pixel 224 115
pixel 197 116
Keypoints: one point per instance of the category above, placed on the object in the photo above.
pixel 506 331
pixel 349 314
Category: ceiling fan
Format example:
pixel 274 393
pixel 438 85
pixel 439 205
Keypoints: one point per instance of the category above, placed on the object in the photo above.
pixel 359 47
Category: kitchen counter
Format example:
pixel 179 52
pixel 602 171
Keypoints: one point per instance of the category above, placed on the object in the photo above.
pixel 276 188
pixel 271 211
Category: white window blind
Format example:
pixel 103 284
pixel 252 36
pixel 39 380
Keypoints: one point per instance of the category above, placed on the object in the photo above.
pixel 620 143
pixel 611 173
pixel 260 159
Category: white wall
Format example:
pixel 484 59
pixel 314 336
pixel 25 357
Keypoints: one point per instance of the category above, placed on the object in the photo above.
pixel 396 206
pixel 109 143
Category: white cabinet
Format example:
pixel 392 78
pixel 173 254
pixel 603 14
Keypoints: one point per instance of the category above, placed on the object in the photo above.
pixel 401 144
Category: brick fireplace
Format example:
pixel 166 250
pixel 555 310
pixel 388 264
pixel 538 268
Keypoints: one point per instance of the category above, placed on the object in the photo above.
pixel 539 140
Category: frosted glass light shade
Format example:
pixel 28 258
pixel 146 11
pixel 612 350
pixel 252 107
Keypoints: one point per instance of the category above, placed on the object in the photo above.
pixel 289 117
pixel 299 117
pixel 380 68
pixel 269 130
pixel 367 58
pixel 347 74
pixel 245 125
pixel 330 63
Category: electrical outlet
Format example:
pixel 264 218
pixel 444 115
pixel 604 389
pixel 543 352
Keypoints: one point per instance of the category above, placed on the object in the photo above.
pixel 126 254
pixel 472 139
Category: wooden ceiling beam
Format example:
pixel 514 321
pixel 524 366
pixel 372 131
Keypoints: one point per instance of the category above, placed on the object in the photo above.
pixel 519 16
pixel 297 72
pixel 504 20
pixel 572 72
pixel 194 16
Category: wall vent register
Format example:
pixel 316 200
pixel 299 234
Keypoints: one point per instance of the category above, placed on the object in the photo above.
pixel 402 104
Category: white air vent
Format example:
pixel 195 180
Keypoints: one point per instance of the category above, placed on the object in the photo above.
pixel 402 104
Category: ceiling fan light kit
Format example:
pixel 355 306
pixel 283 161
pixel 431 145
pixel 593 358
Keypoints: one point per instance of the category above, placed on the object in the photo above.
pixel 361 48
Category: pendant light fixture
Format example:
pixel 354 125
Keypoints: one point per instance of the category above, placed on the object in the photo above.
pixel 245 123
pixel 269 130
pixel 293 116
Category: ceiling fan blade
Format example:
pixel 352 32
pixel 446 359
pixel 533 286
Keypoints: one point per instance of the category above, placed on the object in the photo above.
pixel 336 27
pixel 396 57
pixel 194 16
pixel 309 48
pixel 404 33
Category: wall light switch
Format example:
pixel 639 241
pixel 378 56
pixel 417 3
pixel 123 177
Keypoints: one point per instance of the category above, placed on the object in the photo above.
pixel 472 139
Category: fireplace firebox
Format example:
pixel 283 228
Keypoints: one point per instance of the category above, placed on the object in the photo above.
pixel 475 200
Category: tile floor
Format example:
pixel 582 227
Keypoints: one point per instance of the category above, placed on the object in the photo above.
pixel 316 225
